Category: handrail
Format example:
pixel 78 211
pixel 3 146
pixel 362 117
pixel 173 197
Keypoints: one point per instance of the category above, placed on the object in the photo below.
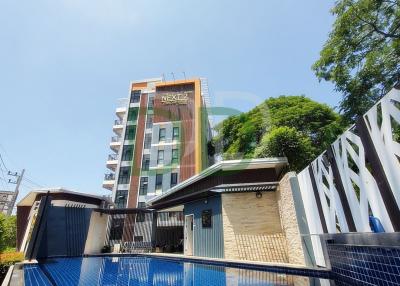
pixel 116 139
pixel 109 177
pixel 112 157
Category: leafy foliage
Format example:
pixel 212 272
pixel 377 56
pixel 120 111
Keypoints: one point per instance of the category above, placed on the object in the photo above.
pixel 287 142
pixel 361 55
pixel 260 132
pixel 8 231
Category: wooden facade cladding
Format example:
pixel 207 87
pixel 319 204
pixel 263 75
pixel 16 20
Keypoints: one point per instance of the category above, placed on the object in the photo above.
pixel 185 113
pixel 137 158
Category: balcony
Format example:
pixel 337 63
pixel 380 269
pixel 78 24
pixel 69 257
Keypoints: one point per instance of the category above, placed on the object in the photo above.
pixel 112 161
pixel 109 180
pixel 115 144
pixel 118 126
pixel 122 107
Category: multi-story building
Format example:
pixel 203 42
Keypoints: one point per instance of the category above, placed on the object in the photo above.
pixel 7 200
pixel 162 132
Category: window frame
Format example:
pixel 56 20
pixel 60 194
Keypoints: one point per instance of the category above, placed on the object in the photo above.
pixel 143 186
pixel 159 177
pixel 160 159
pixel 175 156
pixel 175 135
pixel 174 175
pixel 135 96
pixel 161 138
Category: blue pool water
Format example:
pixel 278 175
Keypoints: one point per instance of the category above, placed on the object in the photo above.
pixel 145 271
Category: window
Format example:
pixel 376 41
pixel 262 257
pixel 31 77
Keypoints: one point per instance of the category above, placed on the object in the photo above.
pixel 138 238
pixel 206 216
pixel 147 141
pixel 135 96
pixel 175 133
pixel 124 175
pixel 159 179
pixel 144 182
pixel 161 134
pixel 130 132
pixel 174 179
pixel 127 153
pixel 174 159
pixel 151 103
pixel 146 162
pixel 120 199
pixel 149 121
pixel 160 157
pixel 133 114
pixel 117 227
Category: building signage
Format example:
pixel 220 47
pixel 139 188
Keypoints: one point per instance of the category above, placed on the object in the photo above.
pixel 175 98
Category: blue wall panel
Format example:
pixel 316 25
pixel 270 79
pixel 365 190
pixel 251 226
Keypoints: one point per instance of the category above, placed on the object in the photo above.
pixel 208 242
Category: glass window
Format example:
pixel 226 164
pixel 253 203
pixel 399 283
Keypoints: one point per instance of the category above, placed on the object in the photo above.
pixel 149 121
pixel 161 134
pixel 175 156
pixel 159 179
pixel 174 179
pixel 160 157
pixel 133 114
pixel 206 218
pixel 135 96
pixel 130 132
pixel 146 162
pixel 144 182
pixel 120 199
pixel 151 103
pixel 147 141
pixel 141 205
pixel 127 153
pixel 124 175
pixel 175 133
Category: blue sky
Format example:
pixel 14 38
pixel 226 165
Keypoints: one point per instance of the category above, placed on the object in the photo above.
pixel 64 64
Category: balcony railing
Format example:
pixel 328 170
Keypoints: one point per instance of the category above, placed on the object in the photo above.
pixel 122 102
pixel 117 122
pixel 109 177
pixel 115 139
pixel 112 157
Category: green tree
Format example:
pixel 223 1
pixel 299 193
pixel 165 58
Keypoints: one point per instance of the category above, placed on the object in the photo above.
pixel 239 135
pixel 287 142
pixel 8 231
pixel 361 55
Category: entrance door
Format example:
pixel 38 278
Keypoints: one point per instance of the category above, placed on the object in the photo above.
pixel 188 235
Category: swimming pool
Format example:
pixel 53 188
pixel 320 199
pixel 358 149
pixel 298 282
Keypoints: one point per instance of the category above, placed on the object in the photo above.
pixel 145 271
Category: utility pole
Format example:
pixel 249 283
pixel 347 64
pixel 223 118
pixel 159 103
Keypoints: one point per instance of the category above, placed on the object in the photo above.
pixel 16 191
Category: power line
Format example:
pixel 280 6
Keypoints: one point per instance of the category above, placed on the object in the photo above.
pixel 1 158
pixel 3 178
pixel 32 183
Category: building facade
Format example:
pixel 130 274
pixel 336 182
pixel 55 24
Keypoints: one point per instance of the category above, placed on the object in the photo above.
pixel 161 137
pixel 7 200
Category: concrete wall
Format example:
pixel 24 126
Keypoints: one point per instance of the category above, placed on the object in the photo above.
pixel 97 233
pixel 252 227
pixel 208 242
pixel 289 222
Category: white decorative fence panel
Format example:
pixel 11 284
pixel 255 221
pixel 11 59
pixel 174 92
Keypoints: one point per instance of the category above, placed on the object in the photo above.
pixel 358 176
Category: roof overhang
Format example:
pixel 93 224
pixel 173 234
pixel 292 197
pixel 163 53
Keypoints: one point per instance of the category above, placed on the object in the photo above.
pixel 277 163
pixel 30 198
